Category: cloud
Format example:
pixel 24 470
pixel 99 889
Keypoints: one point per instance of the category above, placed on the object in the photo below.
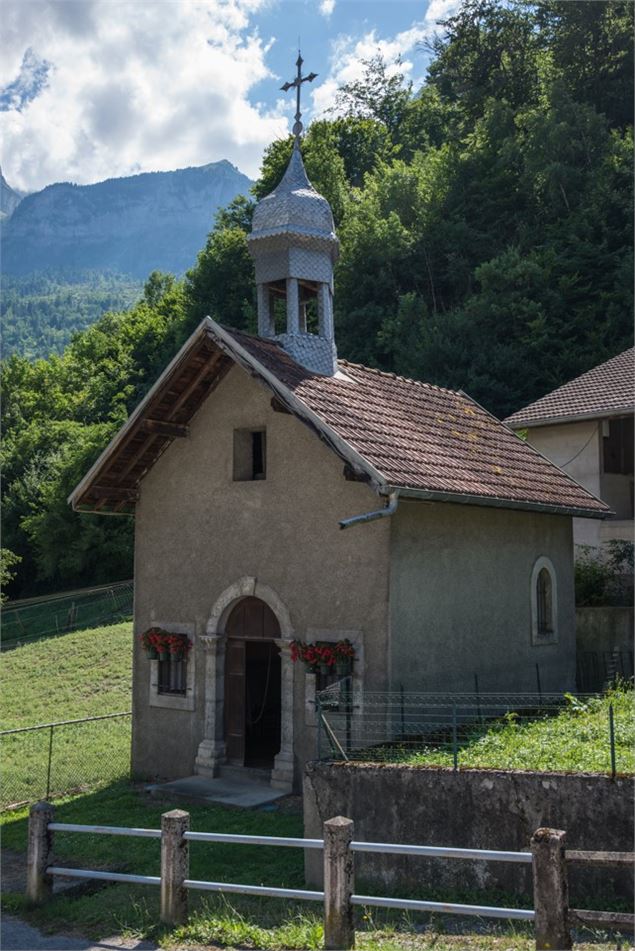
pixel 348 53
pixel 327 7
pixel 110 87
pixel 30 82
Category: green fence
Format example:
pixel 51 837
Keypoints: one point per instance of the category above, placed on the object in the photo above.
pixel 27 620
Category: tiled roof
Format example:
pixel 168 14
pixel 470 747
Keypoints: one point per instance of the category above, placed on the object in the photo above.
pixel 606 390
pixel 421 436
pixel 391 431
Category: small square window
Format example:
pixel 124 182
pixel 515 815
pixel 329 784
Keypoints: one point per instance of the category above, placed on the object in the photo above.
pixel 250 455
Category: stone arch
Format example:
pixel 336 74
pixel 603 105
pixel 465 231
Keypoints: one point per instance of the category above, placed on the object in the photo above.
pixel 211 751
pixel 247 587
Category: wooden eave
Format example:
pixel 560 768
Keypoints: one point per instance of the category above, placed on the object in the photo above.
pixel 112 484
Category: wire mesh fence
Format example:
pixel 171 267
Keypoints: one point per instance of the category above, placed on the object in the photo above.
pixel 52 759
pixel 23 621
pixel 503 731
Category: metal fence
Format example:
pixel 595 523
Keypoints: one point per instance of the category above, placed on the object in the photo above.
pixel 52 759
pixel 505 731
pixel 26 620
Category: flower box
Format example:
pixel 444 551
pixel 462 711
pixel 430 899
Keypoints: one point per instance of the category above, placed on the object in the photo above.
pixel 164 645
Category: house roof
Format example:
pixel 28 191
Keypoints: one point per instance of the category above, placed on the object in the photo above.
pixel 391 432
pixel 606 390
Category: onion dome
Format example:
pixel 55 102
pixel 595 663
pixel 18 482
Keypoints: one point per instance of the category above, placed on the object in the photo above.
pixel 294 207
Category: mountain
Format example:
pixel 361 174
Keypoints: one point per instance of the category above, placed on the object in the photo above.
pixel 134 225
pixel 10 198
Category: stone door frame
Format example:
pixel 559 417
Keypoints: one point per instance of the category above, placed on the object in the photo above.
pixel 211 750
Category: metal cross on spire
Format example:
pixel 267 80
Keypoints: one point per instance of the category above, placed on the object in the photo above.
pixel 296 84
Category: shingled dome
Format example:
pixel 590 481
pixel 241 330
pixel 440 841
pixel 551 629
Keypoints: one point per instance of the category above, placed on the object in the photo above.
pixel 294 207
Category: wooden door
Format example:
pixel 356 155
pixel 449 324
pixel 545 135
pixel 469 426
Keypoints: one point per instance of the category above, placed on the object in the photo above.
pixel 235 701
pixel 251 619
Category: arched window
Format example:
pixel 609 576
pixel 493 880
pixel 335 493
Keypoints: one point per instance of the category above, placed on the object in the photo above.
pixel 544 612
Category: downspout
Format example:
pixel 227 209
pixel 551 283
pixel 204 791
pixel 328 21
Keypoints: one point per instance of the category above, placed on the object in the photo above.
pixel 390 509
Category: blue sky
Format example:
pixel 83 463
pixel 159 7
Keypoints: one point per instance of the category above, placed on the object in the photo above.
pixel 91 89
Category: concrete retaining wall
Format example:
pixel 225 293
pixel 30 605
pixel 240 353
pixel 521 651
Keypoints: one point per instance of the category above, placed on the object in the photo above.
pixel 489 809
pixel 604 629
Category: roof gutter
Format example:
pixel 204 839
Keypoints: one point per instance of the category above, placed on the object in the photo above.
pixel 494 502
pixel 536 423
pixel 390 509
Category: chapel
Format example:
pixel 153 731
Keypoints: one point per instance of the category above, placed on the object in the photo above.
pixel 281 494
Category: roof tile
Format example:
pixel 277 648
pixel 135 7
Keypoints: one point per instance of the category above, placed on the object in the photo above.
pixel 603 391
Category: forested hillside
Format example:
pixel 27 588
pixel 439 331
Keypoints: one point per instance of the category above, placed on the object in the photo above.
pixel 41 311
pixel 486 244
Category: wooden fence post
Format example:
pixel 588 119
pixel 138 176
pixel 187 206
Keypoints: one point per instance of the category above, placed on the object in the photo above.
pixel 339 883
pixel 39 885
pixel 551 890
pixel 175 866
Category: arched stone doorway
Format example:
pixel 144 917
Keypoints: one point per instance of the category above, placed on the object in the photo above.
pixel 252 685
pixel 212 753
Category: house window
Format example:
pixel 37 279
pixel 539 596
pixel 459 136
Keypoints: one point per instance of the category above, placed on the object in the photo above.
pixel 250 455
pixel 544 612
pixel 544 603
pixel 618 446
pixel 173 676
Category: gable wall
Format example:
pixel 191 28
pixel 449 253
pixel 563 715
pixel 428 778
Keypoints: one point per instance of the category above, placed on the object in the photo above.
pixel 460 598
pixel 577 448
pixel 198 532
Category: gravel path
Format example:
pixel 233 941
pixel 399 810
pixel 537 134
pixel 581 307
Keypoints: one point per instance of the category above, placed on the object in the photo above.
pixel 16 935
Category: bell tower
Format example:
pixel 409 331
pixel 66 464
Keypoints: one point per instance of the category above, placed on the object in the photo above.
pixel 294 247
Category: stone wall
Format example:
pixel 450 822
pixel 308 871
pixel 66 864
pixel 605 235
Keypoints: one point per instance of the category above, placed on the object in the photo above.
pixel 488 809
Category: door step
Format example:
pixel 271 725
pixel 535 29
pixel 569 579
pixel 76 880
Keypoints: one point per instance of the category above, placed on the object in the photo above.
pixel 245 774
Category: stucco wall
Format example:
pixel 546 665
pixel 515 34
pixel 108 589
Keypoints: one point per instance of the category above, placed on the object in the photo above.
pixel 461 604
pixel 198 532
pixel 575 447
pixel 483 809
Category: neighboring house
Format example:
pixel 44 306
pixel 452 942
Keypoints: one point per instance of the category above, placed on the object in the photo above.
pixel 240 466
pixel 586 428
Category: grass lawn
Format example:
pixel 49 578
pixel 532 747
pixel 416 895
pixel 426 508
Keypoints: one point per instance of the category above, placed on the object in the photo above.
pixel 231 920
pixel 80 674
pixel 575 740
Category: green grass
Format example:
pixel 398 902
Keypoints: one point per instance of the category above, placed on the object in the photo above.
pixel 81 674
pixel 577 739
pixel 234 921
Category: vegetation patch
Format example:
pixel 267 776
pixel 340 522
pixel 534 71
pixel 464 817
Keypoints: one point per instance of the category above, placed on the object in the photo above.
pixel 80 674
pixel 66 677
pixel 576 740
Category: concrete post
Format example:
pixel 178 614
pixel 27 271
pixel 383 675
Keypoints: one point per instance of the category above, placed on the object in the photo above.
pixel 39 885
pixel 339 883
pixel 175 866
pixel 551 890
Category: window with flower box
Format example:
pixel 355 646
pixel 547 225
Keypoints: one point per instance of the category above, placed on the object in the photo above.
pixel 169 650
